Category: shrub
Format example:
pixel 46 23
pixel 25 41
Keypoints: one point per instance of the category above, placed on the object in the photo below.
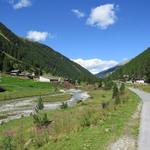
pixel 2 89
pixel 105 105
pixel 80 101
pixel 85 118
pixel 108 84
pixel 103 96
pixel 116 94
pixel 41 119
pixel 64 105
pixel 8 140
pixel 122 89
pixel 40 105
pixel 117 100
pixel 115 91
pixel 7 143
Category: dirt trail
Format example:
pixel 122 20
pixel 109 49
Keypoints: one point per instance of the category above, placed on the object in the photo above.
pixel 144 136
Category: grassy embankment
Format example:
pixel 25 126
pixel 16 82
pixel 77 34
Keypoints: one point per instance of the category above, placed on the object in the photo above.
pixel 86 126
pixel 145 88
pixel 19 88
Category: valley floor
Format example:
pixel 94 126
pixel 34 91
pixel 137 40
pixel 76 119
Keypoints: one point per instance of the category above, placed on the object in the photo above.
pixel 87 126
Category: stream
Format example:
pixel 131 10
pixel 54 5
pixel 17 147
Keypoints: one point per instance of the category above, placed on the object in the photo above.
pixel 15 109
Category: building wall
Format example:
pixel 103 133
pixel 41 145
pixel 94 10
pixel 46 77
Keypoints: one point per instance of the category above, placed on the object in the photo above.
pixel 42 79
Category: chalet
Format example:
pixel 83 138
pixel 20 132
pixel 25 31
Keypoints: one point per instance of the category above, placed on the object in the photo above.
pixel 24 74
pixel 68 81
pixel 54 80
pixel 43 79
pixel 129 82
pixel 31 76
pixel 15 72
pixel 140 81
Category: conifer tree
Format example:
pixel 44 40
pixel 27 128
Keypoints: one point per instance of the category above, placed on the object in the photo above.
pixel 40 104
pixel 116 94
pixel 122 89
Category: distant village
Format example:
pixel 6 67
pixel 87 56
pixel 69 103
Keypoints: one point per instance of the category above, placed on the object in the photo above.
pixel 44 78
pixel 133 81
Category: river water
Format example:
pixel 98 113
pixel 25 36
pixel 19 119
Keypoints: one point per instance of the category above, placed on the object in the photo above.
pixel 15 109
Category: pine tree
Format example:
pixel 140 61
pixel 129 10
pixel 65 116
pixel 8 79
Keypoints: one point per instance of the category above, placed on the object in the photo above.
pixel 122 89
pixel 115 91
pixel 117 100
pixel 40 104
pixel 116 94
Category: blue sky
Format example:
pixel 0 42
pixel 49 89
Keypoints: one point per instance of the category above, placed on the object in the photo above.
pixel 95 33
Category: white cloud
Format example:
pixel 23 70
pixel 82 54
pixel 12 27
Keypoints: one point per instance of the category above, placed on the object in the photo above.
pixel 21 4
pixel 95 65
pixel 78 13
pixel 38 36
pixel 103 16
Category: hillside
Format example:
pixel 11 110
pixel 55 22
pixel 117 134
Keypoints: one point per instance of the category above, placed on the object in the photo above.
pixel 20 53
pixel 137 68
pixel 109 71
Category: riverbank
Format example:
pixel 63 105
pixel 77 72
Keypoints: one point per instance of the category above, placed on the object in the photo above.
pixel 15 109
pixel 85 126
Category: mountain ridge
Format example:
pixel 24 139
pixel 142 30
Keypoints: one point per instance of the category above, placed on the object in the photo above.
pixel 42 58
pixel 137 68
pixel 109 71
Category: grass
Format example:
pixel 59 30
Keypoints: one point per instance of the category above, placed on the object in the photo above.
pixel 96 137
pixel 86 126
pixel 56 98
pixel 19 88
pixel 145 88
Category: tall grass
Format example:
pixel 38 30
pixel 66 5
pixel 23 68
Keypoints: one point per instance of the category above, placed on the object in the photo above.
pixel 77 121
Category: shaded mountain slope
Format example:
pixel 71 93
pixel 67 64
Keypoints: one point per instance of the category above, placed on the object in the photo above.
pixel 137 68
pixel 20 53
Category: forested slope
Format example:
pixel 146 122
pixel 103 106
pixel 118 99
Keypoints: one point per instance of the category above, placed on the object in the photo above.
pixel 20 53
pixel 137 68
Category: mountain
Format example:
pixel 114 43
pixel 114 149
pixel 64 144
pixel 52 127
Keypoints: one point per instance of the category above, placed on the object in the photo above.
pixel 109 71
pixel 19 53
pixel 137 68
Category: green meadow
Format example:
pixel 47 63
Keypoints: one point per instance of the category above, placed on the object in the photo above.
pixel 86 126
pixel 19 88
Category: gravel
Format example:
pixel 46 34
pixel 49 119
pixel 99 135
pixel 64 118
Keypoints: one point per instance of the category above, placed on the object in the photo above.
pixel 144 136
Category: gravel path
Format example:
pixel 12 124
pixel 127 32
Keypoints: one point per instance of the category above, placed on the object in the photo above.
pixel 144 136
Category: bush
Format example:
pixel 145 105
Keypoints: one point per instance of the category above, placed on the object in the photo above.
pixel 7 143
pixel 116 94
pixel 80 101
pixel 85 120
pixel 115 91
pixel 41 119
pixel 8 140
pixel 117 100
pixel 40 105
pixel 103 96
pixel 64 105
pixel 122 89
pixel 2 89
pixel 105 105
pixel 108 84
